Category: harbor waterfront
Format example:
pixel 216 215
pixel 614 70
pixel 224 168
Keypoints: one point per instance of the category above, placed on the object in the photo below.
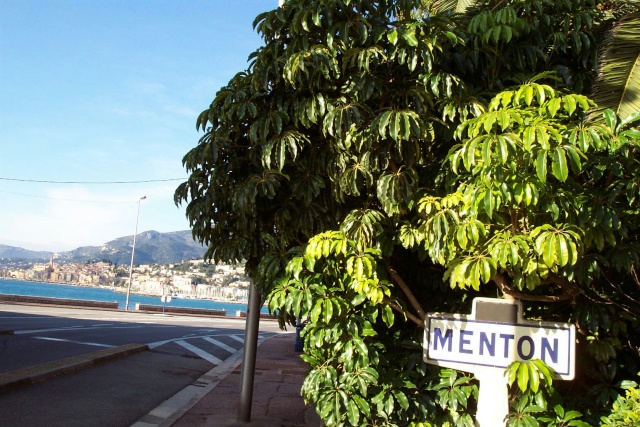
pixel 54 290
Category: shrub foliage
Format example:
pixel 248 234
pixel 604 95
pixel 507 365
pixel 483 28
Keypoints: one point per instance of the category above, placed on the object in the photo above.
pixel 383 159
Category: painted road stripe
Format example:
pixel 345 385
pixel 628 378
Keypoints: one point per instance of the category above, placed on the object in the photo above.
pixel 241 339
pixel 75 342
pixel 237 338
pixel 157 344
pixel 220 344
pixel 37 331
pixel 206 356
pixel 67 329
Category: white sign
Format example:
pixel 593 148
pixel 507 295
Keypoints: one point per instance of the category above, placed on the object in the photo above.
pixel 165 298
pixel 452 339
pixel 486 344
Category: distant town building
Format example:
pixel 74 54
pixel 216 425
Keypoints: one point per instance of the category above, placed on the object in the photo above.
pixel 191 279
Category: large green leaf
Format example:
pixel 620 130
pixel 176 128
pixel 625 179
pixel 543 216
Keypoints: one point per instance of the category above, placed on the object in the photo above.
pixel 559 167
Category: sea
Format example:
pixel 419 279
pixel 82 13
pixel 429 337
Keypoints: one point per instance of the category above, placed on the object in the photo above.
pixel 54 290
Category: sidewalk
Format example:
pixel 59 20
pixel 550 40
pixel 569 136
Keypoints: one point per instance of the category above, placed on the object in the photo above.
pixel 276 392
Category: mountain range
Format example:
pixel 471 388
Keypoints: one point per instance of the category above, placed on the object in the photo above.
pixel 152 247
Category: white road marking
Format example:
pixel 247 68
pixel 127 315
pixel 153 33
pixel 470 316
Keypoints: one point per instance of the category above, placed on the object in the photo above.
pixel 69 328
pixel 237 338
pixel 95 344
pixel 220 344
pixel 206 356
pixel 200 352
pixel 36 331
pixel 127 327
pixel 156 344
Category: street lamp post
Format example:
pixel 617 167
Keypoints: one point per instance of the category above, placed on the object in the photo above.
pixel 133 251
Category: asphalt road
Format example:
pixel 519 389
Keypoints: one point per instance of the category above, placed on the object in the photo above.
pixel 115 393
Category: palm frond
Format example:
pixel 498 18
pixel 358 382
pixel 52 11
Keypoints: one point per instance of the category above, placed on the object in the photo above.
pixel 618 83
pixel 457 6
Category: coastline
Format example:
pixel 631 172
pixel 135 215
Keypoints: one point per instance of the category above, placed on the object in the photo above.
pixel 121 290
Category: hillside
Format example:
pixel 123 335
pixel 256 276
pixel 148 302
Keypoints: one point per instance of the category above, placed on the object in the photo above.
pixel 19 253
pixel 152 247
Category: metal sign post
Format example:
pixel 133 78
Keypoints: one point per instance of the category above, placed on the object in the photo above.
pixel 486 342
pixel 165 299
pixel 252 326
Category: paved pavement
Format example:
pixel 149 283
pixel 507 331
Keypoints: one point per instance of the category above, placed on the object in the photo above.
pixel 213 400
pixel 34 374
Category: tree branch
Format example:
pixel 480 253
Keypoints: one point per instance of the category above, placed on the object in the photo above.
pixel 570 290
pixel 513 215
pixel 635 275
pixel 413 318
pixel 567 287
pixel 401 283
pixel 629 299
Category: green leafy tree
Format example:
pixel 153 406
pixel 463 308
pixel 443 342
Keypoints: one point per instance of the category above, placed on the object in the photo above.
pixel 382 159
pixel 626 409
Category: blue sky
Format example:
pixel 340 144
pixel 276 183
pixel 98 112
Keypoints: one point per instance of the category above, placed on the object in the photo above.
pixel 103 91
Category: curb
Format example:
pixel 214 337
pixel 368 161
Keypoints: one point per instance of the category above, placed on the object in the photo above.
pixel 172 409
pixel 89 306
pixel 45 371
pixel 66 302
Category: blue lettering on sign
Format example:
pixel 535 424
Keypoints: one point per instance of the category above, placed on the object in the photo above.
pixel 437 335
pixel 506 338
pixel 489 345
pixel 454 342
pixel 464 342
pixel 532 347
pixel 546 348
